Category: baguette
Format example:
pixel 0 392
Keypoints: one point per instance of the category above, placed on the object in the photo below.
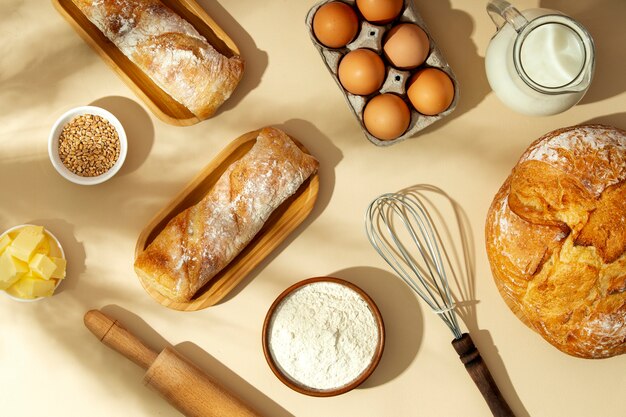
pixel 200 241
pixel 169 50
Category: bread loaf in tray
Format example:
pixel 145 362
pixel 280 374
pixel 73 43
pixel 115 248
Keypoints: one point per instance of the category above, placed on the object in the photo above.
pixel 200 241
pixel 556 239
pixel 169 50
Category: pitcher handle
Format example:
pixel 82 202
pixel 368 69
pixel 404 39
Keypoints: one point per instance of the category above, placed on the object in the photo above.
pixel 501 12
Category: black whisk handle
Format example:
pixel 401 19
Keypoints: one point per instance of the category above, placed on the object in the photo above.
pixel 476 367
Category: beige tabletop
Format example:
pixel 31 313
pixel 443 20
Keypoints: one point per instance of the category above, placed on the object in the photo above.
pixel 51 365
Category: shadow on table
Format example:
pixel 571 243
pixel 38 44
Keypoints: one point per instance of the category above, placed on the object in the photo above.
pixel 231 381
pixel 255 60
pixel 137 125
pixel 615 119
pixel 402 316
pixel 452 30
pixel 60 317
pixel 33 82
pixel 215 369
pixel 324 149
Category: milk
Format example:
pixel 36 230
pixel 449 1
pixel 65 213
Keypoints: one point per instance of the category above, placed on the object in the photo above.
pixel 552 55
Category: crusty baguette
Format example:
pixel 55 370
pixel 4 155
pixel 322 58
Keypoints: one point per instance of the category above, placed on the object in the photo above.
pixel 556 240
pixel 199 242
pixel 169 50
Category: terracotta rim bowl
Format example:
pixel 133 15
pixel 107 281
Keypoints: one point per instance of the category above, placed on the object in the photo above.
pixel 304 389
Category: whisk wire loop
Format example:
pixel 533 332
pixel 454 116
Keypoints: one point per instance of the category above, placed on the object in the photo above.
pixel 428 231
pixel 406 256
pixel 386 217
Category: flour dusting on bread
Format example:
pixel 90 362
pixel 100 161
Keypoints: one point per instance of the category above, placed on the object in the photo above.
pixel 169 50
pixel 558 252
pixel 589 146
pixel 200 241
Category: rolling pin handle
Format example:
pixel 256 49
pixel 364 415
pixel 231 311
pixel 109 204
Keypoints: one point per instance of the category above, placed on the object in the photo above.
pixel 112 334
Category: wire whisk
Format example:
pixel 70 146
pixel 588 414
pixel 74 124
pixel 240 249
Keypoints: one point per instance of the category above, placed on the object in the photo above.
pixel 401 230
pixel 427 278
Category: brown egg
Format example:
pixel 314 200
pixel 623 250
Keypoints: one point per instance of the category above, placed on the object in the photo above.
pixel 335 24
pixel 380 12
pixel 386 116
pixel 431 91
pixel 406 46
pixel 361 72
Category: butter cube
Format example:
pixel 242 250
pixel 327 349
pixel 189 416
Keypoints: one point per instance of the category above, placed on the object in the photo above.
pixel 60 263
pixel 26 241
pixel 4 242
pixel 31 228
pixel 43 288
pixel 21 288
pixel 41 266
pixel 11 270
pixel 44 246
pixel 16 290
pixel 32 287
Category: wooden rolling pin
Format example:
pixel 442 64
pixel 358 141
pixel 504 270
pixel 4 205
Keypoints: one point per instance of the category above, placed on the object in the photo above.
pixel 180 382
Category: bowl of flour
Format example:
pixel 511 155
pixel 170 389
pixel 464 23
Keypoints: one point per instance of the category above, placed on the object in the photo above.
pixel 323 336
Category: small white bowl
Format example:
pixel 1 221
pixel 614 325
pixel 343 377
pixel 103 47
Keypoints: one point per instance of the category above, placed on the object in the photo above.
pixel 53 144
pixel 60 252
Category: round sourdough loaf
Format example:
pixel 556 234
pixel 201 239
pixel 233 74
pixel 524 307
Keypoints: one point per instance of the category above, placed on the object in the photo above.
pixel 556 239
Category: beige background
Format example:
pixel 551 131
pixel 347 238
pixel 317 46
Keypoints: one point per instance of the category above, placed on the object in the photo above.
pixel 51 365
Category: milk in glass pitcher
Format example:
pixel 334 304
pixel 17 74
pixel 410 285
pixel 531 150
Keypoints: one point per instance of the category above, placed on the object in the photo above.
pixel 539 62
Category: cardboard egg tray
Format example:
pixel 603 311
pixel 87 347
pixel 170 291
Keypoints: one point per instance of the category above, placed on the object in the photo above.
pixel 371 37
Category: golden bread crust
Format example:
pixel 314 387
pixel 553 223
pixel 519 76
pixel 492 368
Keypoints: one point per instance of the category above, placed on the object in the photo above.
pixel 556 239
pixel 200 241
pixel 169 50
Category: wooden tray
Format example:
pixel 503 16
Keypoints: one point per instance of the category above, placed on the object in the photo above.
pixel 161 104
pixel 278 226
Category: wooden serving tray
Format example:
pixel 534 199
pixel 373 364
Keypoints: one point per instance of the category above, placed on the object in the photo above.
pixel 161 104
pixel 276 229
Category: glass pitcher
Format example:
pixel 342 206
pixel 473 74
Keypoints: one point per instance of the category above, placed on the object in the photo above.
pixel 539 62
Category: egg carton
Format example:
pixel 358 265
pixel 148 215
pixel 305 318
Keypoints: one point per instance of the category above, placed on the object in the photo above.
pixel 371 37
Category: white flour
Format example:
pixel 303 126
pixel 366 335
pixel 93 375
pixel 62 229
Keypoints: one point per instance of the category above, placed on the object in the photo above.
pixel 323 335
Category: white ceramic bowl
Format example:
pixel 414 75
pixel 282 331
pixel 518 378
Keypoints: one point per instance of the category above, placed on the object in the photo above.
pixel 53 144
pixel 60 252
